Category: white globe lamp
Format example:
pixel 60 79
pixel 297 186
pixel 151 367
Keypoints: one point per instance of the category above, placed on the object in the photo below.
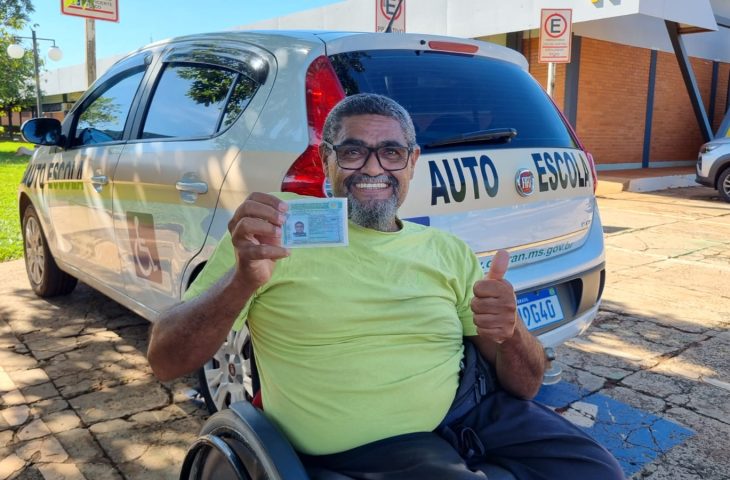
pixel 15 50
pixel 55 53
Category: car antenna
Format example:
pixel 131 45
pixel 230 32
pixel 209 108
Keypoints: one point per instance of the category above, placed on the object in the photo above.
pixel 389 28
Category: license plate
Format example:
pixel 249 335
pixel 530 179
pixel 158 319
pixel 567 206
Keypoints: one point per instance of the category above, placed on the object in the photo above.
pixel 539 308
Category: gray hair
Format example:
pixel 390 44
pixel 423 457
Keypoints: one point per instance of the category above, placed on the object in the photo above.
pixel 368 104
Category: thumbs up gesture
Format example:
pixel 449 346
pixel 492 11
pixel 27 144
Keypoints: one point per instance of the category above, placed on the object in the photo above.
pixel 494 303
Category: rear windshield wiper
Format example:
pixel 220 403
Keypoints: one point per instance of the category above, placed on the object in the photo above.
pixel 493 135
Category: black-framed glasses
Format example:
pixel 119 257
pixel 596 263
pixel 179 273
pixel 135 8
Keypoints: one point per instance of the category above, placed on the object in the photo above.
pixel 351 156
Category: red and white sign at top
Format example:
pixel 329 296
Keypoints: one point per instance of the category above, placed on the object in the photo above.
pixel 385 10
pixel 94 9
pixel 555 35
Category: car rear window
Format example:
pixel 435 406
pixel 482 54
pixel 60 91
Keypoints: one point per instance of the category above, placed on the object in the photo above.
pixel 450 94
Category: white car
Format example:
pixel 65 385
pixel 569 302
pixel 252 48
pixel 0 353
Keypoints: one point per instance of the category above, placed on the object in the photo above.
pixel 713 166
pixel 133 191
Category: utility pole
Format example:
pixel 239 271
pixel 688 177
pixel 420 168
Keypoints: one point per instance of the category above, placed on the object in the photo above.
pixel 90 51
pixel 38 103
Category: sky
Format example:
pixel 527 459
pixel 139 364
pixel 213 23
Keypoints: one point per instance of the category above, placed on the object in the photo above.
pixel 145 21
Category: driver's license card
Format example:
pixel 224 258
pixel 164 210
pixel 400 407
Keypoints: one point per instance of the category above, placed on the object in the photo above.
pixel 315 222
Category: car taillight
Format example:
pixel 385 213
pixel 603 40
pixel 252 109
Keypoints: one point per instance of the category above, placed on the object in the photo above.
pixel 323 91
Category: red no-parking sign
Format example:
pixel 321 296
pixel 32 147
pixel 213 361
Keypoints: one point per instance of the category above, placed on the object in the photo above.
pixel 555 35
pixel 387 9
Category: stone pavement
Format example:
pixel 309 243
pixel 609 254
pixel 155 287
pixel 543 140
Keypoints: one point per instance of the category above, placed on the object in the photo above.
pixel 661 342
pixel 77 399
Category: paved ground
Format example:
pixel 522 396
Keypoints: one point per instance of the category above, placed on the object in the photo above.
pixel 78 400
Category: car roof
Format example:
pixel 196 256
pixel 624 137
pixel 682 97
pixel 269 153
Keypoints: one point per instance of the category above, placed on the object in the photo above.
pixel 343 41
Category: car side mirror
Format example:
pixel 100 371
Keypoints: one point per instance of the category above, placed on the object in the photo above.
pixel 42 131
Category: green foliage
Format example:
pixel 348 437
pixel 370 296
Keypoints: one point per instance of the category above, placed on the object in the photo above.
pixel 16 87
pixel 102 111
pixel 11 171
pixel 212 86
pixel 15 13
pixel 16 75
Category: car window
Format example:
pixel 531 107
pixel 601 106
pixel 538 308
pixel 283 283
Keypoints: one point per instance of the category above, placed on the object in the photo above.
pixel 196 101
pixel 104 118
pixel 449 94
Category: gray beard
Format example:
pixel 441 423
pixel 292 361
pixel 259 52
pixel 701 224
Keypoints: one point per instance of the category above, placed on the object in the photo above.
pixel 377 214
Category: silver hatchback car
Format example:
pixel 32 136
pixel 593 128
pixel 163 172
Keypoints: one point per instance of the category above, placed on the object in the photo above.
pixel 131 193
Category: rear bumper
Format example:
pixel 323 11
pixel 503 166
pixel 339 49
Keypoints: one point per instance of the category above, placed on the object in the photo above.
pixel 570 330
pixel 706 181
pixel 581 296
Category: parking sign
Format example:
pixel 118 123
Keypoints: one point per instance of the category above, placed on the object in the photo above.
pixel 385 10
pixel 555 35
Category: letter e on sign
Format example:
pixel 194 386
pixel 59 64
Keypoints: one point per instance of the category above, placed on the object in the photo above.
pixel 555 35
pixel 385 10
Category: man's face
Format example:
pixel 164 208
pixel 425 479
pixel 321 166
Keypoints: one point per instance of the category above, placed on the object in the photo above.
pixel 299 227
pixel 374 193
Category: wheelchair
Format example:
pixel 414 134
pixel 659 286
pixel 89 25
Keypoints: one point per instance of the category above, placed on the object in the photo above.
pixel 240 443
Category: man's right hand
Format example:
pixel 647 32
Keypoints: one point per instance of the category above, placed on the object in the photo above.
pixel 256 229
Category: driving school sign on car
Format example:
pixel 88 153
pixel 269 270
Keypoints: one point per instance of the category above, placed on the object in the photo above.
pixel 385 10
pixel 93 9
pixel 555 35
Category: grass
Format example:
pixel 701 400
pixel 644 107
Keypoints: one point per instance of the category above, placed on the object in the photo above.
pixel 11 171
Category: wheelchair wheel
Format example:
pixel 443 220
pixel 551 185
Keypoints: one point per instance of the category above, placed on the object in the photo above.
pixel 240 443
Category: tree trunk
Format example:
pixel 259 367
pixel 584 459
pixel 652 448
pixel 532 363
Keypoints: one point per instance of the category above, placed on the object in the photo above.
pixel 9 111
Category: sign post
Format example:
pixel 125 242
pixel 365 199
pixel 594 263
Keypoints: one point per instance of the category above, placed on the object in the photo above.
pixel 387 11
pixel 555 39
pixel 91 10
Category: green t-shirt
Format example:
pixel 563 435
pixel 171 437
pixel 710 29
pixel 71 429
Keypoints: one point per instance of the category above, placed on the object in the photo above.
pixel 359 343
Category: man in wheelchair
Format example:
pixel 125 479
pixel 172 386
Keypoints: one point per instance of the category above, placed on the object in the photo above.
pixel 361 350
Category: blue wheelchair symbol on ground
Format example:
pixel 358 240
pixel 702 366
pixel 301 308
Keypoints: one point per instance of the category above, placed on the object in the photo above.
pixel 633 436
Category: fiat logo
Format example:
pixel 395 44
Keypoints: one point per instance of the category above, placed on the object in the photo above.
pixel 525 182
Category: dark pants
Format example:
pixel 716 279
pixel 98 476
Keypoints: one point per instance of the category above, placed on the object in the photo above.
pixel 523 437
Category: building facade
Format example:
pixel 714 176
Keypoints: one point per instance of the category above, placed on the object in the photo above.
pixel 647 84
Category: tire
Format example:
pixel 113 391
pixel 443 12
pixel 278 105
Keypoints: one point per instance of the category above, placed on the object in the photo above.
pixel 46 279
pixel 240 443
pixel 227 377
pixel 723 185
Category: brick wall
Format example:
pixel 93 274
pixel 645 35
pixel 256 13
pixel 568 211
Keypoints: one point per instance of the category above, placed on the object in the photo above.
pixel 612 91
pixel 612 94
pixel 720 95
pixel 675 134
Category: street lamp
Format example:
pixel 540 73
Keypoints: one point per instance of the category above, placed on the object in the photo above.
pixel 16 50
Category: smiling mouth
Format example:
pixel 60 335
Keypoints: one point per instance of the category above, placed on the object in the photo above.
pixel 371 186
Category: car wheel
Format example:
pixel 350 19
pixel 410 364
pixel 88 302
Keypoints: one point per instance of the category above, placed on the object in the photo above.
pixel 46 279
pixel 723 185
pixel 226 378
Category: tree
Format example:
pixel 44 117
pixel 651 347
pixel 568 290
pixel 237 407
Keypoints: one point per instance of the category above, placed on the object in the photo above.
pixel 16 89
pixel 14 14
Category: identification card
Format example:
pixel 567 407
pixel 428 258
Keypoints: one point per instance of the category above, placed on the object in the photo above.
pixel 316 222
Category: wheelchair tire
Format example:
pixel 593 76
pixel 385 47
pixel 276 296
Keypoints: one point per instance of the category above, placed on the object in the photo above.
pixel 240 443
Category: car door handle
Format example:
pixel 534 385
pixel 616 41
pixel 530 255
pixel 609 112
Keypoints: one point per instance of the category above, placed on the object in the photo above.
pixel 192 187
pixel 100 179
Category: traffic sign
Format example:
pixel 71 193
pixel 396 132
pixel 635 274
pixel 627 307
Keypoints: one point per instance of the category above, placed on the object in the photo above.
pixel 93 9
pixel 385 10
pixel 555 35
